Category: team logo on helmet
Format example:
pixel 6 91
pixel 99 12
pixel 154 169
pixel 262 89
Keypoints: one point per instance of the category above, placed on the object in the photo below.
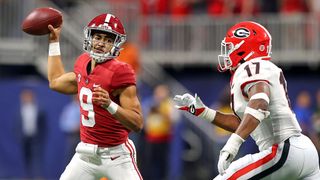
pixel 241 33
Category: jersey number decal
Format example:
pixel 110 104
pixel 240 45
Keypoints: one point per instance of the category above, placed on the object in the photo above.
pixel 87 117
pixel 247 68
pixel 284 84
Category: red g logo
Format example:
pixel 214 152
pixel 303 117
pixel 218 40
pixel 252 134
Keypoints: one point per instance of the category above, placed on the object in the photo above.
pixel 241 33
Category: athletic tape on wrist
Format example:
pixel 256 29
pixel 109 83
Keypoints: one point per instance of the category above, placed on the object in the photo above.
pixel 258 114
pixel 263 96
pixel 112 108
pixel 233 144
pixel 54 49
pixel 209 114
pixel 235 138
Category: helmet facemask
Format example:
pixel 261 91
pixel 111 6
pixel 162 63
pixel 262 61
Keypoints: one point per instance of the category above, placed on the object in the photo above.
pixel 102 57
pixel 225 62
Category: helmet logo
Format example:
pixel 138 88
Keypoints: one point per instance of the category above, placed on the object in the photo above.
pixel 241 33
pixel 109 18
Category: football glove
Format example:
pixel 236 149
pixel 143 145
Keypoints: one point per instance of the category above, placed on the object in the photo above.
pixel 228 152
pixel 193 105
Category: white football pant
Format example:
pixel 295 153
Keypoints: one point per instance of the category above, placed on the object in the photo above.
pixel 91 163
pixel 294 159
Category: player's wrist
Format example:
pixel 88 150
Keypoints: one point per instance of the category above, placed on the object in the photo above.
pixel 112 108
pixel 54 49
pixel 53 40
pixel 208 114
pixel 233 144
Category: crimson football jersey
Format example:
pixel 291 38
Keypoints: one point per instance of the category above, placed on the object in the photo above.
pixel 97 125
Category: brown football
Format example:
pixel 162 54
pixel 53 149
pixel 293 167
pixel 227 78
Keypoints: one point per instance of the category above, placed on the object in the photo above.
pixel 36 23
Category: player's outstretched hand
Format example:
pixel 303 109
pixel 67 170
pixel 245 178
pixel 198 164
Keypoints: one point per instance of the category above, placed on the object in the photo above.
pixel 101 97
pixel 54 35
pixel 187 102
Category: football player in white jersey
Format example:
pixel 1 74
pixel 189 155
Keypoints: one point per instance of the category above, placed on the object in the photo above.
pixel 261 109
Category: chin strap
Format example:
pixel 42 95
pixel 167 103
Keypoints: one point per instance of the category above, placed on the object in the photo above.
pixel 100 58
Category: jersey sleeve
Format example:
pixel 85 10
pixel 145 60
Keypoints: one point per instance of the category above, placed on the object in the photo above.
pixel 253 73
pixel 76 66
pixel 123 76
pixel 79 62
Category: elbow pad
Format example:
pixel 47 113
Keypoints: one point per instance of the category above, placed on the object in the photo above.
pixel 263 96
pixel 259 114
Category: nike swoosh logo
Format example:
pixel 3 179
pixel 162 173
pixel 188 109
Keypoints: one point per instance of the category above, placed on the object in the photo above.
pixel 113 158
pixel 96 85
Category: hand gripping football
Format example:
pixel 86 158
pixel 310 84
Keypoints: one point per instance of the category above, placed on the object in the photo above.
pixel 36 23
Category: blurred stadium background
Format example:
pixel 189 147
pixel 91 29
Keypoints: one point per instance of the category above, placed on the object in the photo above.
pixel 173 42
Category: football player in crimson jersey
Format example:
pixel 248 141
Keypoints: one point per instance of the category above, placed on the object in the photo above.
pixel 261 109
pixel 109 105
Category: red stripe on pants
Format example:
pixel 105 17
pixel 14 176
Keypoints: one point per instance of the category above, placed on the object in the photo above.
pixel 127 144
pixel 256 164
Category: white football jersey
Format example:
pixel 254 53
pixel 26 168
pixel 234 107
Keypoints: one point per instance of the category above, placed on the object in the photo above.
pixel 281 123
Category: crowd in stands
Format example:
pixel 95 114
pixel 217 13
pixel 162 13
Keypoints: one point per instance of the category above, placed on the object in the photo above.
pixel 214 7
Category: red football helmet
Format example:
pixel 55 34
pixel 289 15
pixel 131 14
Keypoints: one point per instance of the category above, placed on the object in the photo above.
pixel 243 42
pixel 106 23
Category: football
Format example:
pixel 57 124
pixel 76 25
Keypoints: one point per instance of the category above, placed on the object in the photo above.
pixel 36 23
